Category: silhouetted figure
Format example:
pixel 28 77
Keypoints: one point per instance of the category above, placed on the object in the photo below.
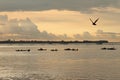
pixel 94 22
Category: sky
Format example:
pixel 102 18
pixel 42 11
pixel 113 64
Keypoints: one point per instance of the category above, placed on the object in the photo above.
pixel 59 20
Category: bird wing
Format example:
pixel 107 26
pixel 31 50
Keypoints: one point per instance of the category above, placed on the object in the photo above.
pixel 96 20
pixel 91 20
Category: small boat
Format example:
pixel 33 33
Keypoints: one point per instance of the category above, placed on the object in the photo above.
pixel 74 49
pixel 28 50
pixel 112 48
pixel 69 49
pixel 54 49
pixel 104 48
pixel 41 49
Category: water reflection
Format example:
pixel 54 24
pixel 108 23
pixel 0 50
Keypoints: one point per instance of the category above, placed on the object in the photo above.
pixel 88 63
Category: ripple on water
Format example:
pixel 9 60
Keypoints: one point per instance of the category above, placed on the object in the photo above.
pixel 39 77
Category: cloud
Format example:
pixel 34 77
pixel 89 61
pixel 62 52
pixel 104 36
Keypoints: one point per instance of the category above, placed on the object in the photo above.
pixel 38 5
pixel 3 19
pixel 109 35
pixel 25 29
pixel 20 29
pixel 106 9
pixel 99 35
pixel 84 36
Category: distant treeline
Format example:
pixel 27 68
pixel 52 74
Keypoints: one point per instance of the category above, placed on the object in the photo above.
pixel 51 42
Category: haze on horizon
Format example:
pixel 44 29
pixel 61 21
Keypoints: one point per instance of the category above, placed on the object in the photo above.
pixel 59 19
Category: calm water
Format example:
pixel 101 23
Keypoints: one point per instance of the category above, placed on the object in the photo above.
pixel 89 63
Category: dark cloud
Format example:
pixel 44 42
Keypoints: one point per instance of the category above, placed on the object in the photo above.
pixel 38 5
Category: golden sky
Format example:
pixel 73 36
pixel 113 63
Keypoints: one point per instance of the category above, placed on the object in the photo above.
pixel 60 21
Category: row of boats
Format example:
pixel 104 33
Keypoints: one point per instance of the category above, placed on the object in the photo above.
pixel 66 49
pixel 28 50
pixel 42 49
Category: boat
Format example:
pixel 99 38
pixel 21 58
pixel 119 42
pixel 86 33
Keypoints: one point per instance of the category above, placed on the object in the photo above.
pixel 23 50
pixel 74 49
pixel 54 49
pixel 41 49
pixel 104 48
pixel 69 49
pixel 112 48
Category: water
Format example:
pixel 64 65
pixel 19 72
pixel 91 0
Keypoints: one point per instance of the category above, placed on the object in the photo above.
pixel 89 63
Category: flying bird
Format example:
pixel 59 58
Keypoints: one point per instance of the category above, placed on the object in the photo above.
pixel 94 22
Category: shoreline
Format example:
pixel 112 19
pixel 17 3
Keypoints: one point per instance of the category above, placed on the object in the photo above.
pixel 52 42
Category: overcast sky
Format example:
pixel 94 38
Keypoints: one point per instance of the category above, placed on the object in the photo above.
pixel 38 5
pixel 59 19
